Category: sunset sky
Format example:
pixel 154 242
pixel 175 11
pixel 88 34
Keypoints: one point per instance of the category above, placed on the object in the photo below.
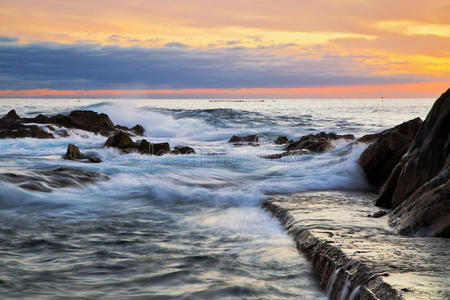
pixel 201 48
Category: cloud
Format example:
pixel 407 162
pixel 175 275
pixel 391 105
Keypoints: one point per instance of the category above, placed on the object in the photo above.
pixel 176 45
pixel 8 39
pixel 90 66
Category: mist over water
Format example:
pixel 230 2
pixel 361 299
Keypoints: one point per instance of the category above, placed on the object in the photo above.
pixel 177 226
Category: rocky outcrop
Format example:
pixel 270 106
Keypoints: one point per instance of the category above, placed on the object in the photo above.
pixel 281 140
pixel 12 126
pixel 317 143
pixel 250 140
pixel 418 187
pixel 183 150
pixel 123 141
pixel 47 180
pixel 380 158
pixel 73 153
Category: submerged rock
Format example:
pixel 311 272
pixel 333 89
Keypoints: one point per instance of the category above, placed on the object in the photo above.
pixel 380 158
pixel 287 153
pixel 47 180
pixel 73 153
pixel 418 187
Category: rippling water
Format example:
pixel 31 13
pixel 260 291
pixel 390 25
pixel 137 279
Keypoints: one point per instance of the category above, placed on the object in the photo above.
pixel 177 226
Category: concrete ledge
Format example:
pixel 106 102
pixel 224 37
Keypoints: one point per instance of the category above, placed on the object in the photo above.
pixel 358 257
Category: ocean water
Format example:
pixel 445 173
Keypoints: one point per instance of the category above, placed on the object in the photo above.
pixel 187 226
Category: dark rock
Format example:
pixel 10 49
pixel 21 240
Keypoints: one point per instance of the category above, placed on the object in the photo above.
pixel 120 127
pixel 317 143
pixel 370 138
pixel 281 140
pixel 287 153
pixel 380 158
pixel 47 180
pixel 378 214
pixel 120 140
pixel 160 148
pixel 10 127
pixel 80 119
pixel 92 121
pixel 244 139
pixel 11 116
pixel 418 189
pixel 138 129
pixel 73 153
pixel 183 150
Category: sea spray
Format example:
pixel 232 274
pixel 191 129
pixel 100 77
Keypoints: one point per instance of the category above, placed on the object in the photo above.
pixel 332 280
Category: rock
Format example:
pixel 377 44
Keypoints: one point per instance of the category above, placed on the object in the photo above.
pixel 370 138
pixel 160 148
pixel 183 150
pixel 138 129
pixel 418 187
pixel 92 121
pixel 244 139
pixel 378 214
pixel 79 119
pixel 380 158
pixel 11 116
pixel 282 140
pixel 73 153
pixel 287 153
pixel 120 140
pixel 123 141
pixel 317 143
pixel 47 180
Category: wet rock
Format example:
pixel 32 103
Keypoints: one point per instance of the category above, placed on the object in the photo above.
pixel 138 129
pixel 120 140
pixel 418 189
pixel 123 141
pixel 10 127
pixel 282 140
pixel 287 153
pixel 380 158
pixel 317 143
pixel 370 138
pixel 11 116
pixel 160 148
pixel 378 214
pixel 47 180
pixel 73 153
pixel 183 150
pixel 244 139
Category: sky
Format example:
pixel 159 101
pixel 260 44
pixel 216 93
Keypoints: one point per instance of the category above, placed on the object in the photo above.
pixel 224 49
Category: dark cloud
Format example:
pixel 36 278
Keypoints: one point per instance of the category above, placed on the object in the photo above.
pixel 176 45
pixel 88 66
pixel 8 39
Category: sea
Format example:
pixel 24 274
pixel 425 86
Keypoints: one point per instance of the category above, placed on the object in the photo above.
pixel 177 226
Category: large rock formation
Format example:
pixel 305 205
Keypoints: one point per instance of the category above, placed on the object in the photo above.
pixel 380 158
pixel 418 187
